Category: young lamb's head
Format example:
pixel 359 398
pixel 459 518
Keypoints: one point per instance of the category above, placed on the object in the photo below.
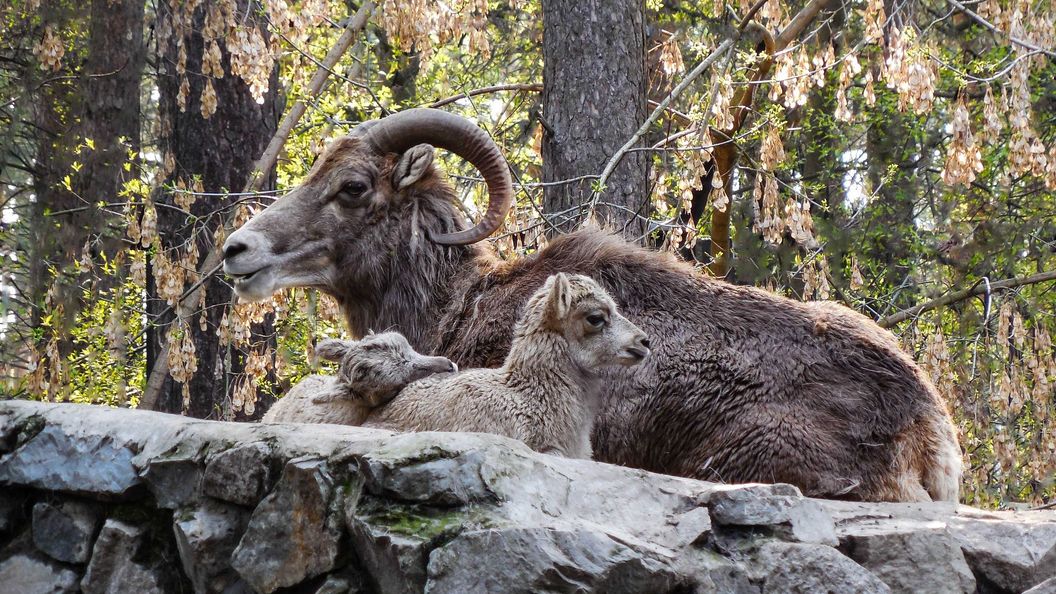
pixel 375 368
pixel 579 310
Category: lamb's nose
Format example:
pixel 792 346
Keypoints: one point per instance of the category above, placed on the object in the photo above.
pixel 234 248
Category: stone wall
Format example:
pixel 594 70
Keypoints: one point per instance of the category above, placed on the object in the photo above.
pixel 103 500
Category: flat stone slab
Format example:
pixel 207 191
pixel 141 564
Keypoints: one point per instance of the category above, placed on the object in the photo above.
pixel 208 506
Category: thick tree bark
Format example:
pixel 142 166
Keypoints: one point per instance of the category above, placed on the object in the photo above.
pixel 220 152
pixel 594 99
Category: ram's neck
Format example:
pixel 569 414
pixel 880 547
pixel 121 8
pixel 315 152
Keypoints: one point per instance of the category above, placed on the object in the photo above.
pixel 411 291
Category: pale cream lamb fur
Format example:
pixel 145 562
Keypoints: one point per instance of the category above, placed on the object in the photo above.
pixel 546 392
pixel 372 371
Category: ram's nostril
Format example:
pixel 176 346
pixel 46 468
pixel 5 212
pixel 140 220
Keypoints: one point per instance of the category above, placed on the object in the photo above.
pixel 234 248
pixel 644 342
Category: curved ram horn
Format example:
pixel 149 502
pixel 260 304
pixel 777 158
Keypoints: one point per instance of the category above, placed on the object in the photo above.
pixel 399 132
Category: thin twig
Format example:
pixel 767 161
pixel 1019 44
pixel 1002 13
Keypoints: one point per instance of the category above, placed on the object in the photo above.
pixel 993 28
pixel 536 87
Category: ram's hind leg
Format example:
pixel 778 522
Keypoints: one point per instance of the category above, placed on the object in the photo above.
pixel 922 469
pixel 942 475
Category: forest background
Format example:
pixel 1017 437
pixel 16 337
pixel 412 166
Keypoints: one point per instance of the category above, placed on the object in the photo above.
pixel 896 156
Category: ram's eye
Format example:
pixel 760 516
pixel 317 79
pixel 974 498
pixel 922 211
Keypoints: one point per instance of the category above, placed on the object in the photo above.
pixel 596 320
pixel 352 190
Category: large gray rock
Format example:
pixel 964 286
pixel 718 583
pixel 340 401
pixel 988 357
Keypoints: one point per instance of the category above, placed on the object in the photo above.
pixel 205 538
pixel 1046 587
pixel 545 560
pixel 406 471
pixel 789 516
pixel 242 474
pixel 24 574
pixel 92 464
pixel 1013 557
pixel 64 531
pixel 909 555
pixel 394 540
pixel 691 527
pixel 1006 551
pixel 175 481
pixel 114 568
pixel 294 533
pixel 397 561
pixel 787 568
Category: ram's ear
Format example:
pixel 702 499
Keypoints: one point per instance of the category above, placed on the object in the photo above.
pixel 413 164
pixel 333 349
pixel 558 298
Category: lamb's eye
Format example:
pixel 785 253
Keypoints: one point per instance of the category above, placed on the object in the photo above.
pixel 596 320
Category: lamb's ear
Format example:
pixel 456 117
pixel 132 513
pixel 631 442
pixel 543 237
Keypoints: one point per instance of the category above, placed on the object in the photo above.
pixel 413 164
pixel 559 299
pixel 333 349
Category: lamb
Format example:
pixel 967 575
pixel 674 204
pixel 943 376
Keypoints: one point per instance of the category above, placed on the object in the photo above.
pixel 372 371
pixel 547 391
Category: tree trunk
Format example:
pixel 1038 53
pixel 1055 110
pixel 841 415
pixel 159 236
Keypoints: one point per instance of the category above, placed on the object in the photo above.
pixel 594 99
pixel 111 120
pixel 219 152
pixel 91 119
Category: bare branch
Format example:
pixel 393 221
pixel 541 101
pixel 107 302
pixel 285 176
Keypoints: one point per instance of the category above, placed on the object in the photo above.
pixel 985 23
pixel 536 87
pixel 977 289
pixel 799 23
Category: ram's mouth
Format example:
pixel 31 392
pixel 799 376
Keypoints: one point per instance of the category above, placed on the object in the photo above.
pixel 253 285
pixel 244 277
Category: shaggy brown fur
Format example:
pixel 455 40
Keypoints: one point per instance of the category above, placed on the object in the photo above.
pixel 744 385
pixel 546 392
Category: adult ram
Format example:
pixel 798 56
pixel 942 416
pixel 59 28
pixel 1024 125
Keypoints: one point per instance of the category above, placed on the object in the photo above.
pixel 744 385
